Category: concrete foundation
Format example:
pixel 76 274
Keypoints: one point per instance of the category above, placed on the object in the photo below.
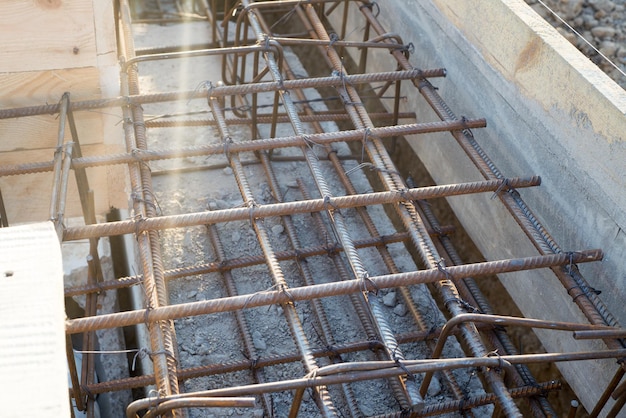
pixel 550 112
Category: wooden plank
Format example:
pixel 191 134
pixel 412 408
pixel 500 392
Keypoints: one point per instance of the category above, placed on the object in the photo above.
pixel 27 197
pixel 33 364
pixel 38 132
pixel 40 87
pixel 46 34
pixel 106 39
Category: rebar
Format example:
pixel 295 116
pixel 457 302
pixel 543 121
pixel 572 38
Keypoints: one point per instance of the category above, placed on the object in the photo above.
pixel 264 94
pixel 78 325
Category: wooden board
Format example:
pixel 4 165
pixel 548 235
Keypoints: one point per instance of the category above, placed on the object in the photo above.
pixel 35 88
pixel 33 362
pixel 46 35
pixel 38 132
pixel 27 197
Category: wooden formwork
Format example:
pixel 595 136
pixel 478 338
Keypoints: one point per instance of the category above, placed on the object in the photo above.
pixel 47 48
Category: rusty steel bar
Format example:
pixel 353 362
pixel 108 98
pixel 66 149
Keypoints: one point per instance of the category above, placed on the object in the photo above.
pixel 242 323
pixel 161 333
pixel 280 209
pixel 387 369
pixel 606 395
pixel 466 404
pixel 240 262
pixel 609 332
pixel 119 319
pixel 375 370
pixel 225 90
pixel 155 122
pixel 326 406
pixel 200 53
pixel 501 320
pixel 412 221
pixel 59 157
pixel 138 155
pixel 195 402
pixel 258 363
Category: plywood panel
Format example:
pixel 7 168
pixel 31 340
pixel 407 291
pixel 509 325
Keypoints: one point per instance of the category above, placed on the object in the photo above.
pixel 32 317
pixel 46 34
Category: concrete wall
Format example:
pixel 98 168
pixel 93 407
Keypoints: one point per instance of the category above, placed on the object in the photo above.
pixel 550 112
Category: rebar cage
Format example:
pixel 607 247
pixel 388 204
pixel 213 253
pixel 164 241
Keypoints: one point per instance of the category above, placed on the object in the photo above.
pixel 305 261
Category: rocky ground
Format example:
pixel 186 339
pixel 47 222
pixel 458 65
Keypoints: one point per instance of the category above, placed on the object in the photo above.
pixel 602 23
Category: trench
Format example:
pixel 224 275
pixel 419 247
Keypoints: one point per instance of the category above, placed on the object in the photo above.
pixel 286 253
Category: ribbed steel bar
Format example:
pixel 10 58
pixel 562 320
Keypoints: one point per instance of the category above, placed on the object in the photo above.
pixel 326 334
pixel 412 221
pixel 588 301
pixel 470 292
pixel 376 370
pixel 361 308
pixel 235 263
pixel 242 323
pixel 280 209
pixel 162 341
pixel 204 402
pixel 327 409
pixel 217 91
pixel 463 405
pixel 258 363
pixel 114 320
pixel 138 155
pixel 261 118
pixel 352 372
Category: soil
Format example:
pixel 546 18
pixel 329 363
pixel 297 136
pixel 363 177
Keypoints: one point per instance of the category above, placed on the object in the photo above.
pixel 596 27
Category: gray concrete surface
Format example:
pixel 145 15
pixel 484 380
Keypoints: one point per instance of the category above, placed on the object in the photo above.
pixel 550 112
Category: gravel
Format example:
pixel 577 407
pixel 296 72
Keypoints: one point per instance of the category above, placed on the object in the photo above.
pixel 602 23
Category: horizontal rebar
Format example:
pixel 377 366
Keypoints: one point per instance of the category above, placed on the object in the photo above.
pixel 270 297
pixel 218 91
pixel 290 208
pixel 158 122
pixel 387 369
pixel 479 400
pixel 138 155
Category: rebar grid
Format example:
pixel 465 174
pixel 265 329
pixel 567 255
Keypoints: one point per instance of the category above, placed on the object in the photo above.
pixel 259 75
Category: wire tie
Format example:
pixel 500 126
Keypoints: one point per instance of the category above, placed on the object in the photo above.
pixel 332 250
pixel 398 362
pixel 365 280
pixel 285 290
pixel 503 184
pixel 312 374
pixel 371 6
pixel 408 48
pixel 299 255
pixel 441 266
pixel 495 353
pixel 252 205
pixel 252 296
pixel 141 354
pixel 227 142
pixel 333 38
